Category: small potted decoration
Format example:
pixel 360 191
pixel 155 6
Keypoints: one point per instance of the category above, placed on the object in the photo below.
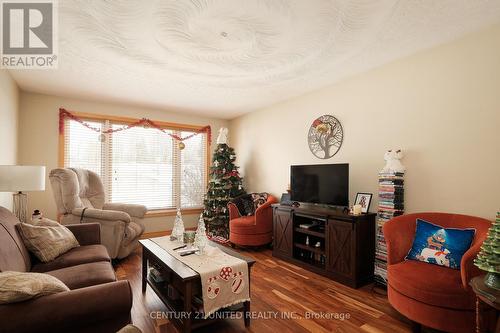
pixel 488 258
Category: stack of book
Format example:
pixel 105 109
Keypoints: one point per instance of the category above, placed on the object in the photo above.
pixel 391 204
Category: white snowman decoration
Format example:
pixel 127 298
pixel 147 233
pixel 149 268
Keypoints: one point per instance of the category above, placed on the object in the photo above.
pixel 440 256
pixel 393 161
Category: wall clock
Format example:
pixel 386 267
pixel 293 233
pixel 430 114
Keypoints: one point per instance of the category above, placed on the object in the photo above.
pixel 325 136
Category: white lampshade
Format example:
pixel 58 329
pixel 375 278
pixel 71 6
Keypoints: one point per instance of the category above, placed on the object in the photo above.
pixel 15 178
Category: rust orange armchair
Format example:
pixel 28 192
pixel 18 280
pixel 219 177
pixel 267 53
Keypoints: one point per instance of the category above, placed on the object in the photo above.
pixel 253 230
pixel 430 295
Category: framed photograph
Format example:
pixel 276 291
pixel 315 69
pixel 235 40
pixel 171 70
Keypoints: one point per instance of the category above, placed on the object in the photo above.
pixel 363 199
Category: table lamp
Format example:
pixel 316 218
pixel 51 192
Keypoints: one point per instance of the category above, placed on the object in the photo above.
pixel 19 179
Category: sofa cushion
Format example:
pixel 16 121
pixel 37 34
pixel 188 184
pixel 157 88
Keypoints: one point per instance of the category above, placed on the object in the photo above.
pixel 85 275
pixel 47 241
pixel 246 225
pixel 247 204
pixel 430 284
pixel 76 256
pixel 441 246
pixel 19 286
pixel 14 256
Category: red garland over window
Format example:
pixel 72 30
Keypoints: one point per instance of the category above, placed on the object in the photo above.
pixel 63 113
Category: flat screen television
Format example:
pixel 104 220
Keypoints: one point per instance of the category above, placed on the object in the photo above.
pixel 326 184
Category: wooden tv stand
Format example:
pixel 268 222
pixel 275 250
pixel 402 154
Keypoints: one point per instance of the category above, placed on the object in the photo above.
pixel 347 243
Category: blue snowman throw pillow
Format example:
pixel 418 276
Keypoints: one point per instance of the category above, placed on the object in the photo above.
pixel 440 246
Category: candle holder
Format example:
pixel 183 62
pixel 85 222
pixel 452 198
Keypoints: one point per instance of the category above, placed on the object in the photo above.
pixel 189 238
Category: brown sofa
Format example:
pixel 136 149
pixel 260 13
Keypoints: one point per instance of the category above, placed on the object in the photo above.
pixel 96 301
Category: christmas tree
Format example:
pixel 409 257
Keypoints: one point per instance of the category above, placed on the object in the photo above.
pixel 178 229
pixel 200 239
pixel 224 184
pixel 488 258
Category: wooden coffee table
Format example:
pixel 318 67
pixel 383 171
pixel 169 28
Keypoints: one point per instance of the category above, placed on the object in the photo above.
pixel 187 284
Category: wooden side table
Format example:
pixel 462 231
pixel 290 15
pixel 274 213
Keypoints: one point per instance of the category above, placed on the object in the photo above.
pixel 487 301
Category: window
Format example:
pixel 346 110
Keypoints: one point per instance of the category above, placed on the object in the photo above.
pixel 140 165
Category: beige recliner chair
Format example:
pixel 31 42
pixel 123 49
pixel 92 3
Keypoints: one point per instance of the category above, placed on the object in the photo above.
pixel 79 196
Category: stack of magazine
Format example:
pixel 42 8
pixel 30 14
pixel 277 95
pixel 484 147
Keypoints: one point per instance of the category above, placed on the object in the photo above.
pixel 391 204
pixel 156 275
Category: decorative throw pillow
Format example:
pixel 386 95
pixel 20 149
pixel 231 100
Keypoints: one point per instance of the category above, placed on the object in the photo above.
pixel 259 199
pixel 45 222
pixel 47 239
pixel 247 204
pixel 130 329
pixel 440 246
pixel 18 286
pixel 244 203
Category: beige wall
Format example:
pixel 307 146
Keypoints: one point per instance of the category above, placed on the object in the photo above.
pixel 442 106
pixel 9 106
pixel 38 144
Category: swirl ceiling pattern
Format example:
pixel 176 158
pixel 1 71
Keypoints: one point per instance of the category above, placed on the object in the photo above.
pixel 226 57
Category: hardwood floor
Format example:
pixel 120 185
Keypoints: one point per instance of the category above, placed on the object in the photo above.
pixel 280 289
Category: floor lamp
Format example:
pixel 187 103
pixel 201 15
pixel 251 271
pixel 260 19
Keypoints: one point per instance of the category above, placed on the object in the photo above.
pixel 19 179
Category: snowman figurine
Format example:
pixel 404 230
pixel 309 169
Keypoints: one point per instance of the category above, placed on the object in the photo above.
pixel 393 161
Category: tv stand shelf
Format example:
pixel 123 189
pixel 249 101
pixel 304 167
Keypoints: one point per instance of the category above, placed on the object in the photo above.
pixel 310 232
pixel 309 248
pixel 346 250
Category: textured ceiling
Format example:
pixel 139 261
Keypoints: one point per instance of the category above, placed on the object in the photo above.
pixel 224 58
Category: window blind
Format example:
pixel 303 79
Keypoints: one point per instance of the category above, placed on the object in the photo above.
pixel 141 165
pixel 193 171
pixel 82 148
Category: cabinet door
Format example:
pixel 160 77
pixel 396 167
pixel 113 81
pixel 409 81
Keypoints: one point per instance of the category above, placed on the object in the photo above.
pixel 340 254
pixel 283 232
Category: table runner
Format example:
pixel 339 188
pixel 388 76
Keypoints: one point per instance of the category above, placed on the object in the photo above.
pixel 224 278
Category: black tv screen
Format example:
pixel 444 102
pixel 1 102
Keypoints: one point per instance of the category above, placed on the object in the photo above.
pixel 326 184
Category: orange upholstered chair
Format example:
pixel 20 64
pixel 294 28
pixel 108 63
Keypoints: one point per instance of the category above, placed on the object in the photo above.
pixel 253 230
pixel 431 295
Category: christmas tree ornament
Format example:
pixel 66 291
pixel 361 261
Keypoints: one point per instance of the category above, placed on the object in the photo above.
pixel 178 229
pixel 201 239
pixel 488 258
pixel 182 145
